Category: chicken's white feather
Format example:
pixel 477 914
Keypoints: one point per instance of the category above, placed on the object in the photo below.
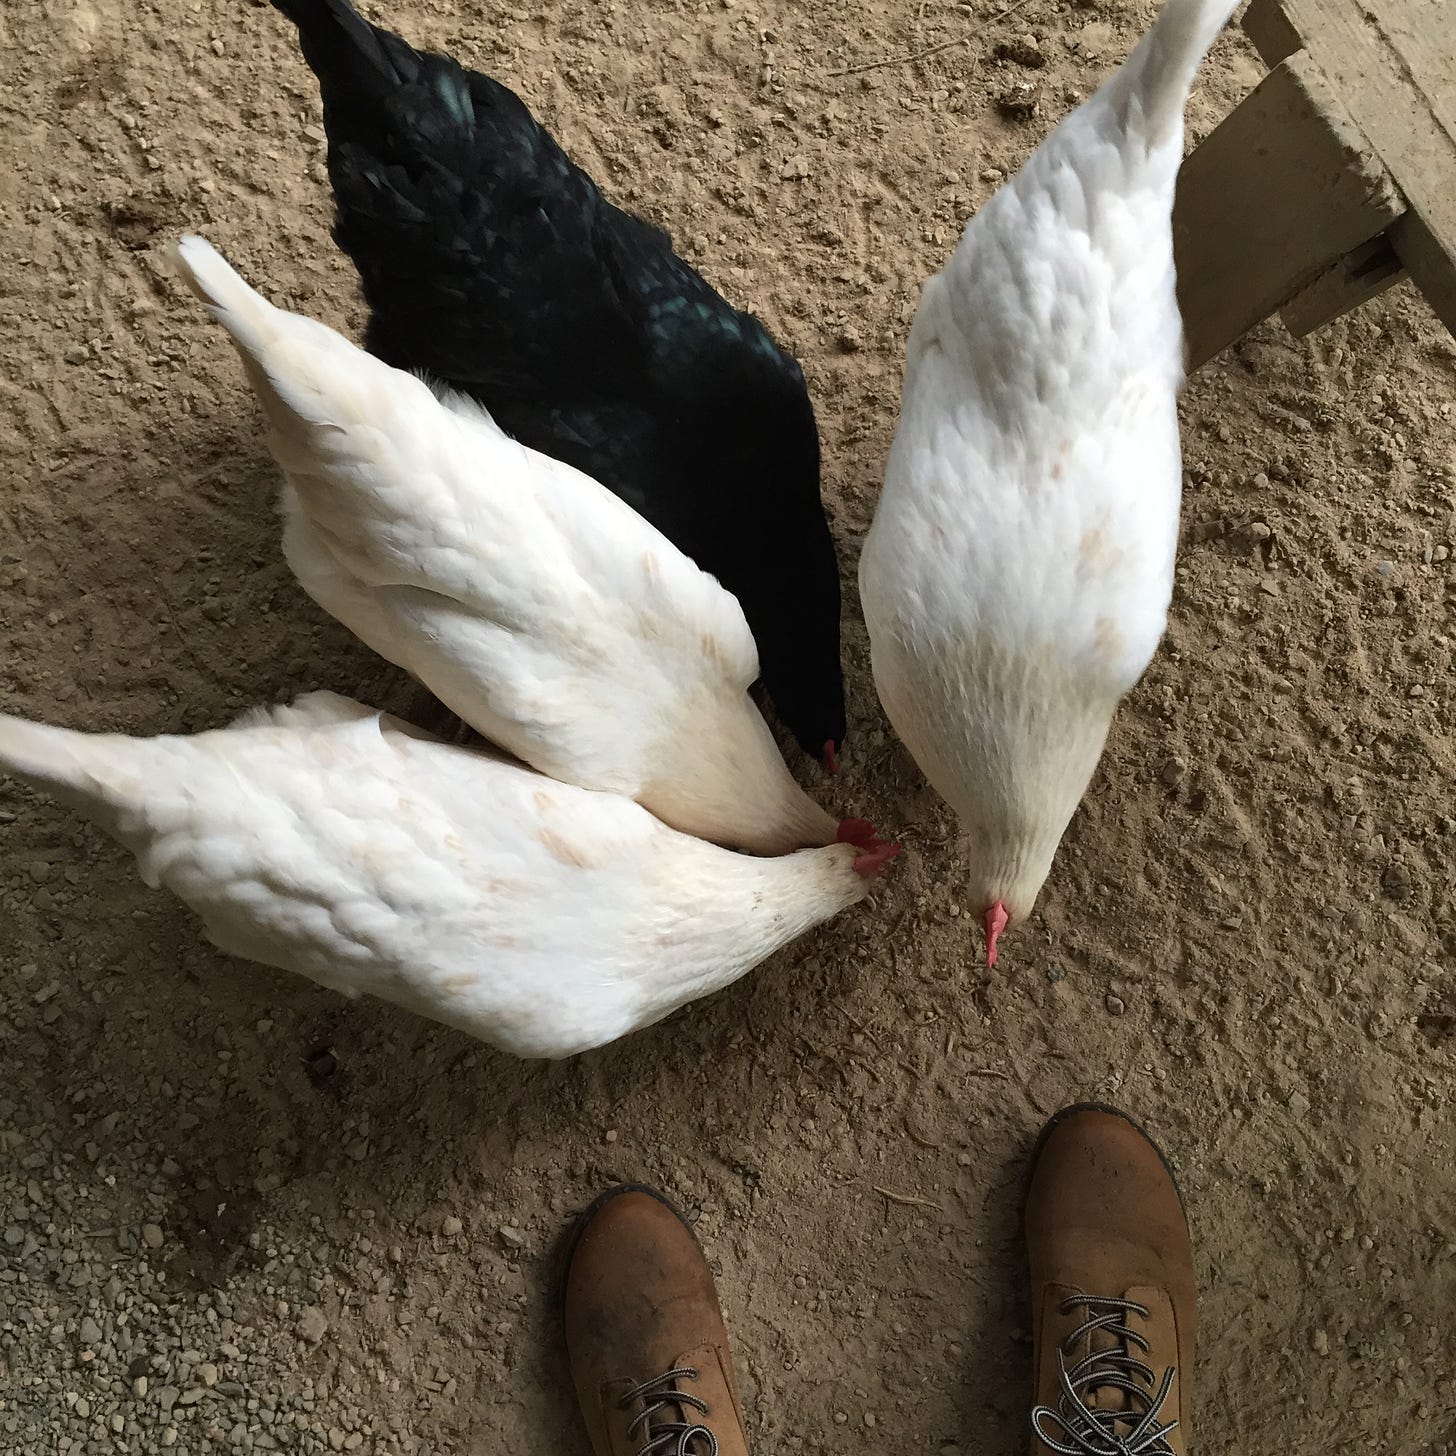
pixel 1017 575
pixel 333 841
pixel 528 598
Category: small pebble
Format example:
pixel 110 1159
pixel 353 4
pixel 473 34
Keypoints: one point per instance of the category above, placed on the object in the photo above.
pixel 1025 50
pixel 1319 1342
pixel 152 1233
pixel 1115 1004
pixel 321 1065
pixel 1396 881
pixel 451 1226
pixel 1019 101
pixel 312 1324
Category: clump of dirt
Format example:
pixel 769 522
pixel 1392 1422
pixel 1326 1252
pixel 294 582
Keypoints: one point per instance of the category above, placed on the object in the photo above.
pixel 237 1213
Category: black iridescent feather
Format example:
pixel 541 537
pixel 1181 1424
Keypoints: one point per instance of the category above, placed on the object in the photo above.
pixel 490 261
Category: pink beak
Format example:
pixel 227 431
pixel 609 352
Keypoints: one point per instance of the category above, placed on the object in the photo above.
pixel 995 922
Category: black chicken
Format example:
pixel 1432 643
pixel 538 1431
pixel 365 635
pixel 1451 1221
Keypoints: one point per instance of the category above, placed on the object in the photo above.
pixel 492 263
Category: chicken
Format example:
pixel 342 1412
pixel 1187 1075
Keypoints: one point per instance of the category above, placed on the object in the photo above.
pixel 490 262
pixel 1017 575
pixel 333 841
pixel 536 605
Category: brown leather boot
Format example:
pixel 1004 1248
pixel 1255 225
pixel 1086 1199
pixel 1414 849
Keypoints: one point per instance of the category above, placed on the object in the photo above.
pixel 1112 1291
pixel 644 1334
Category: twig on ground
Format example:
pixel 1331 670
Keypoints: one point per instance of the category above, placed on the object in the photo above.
pixel 908 1200
pixel 934 50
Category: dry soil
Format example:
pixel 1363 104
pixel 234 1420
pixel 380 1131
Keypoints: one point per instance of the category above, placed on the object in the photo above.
pixel 238 1213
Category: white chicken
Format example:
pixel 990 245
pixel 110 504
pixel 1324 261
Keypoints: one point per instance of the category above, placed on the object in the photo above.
pixel 529 599
pixel 1017 575
pixel 333 841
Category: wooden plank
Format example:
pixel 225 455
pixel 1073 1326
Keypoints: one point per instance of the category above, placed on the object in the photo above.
pixel 1428 260
pixel 1284 188
pixel 1393 64
pixel 1350 281
pixel 1266 24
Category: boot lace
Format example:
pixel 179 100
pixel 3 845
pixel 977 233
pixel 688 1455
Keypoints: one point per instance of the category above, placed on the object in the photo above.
pixel 1072 1427
pixel 669 1438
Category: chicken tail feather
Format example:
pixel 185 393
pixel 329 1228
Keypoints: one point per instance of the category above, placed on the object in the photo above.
pixel 247 316
pixel 352 59
pixel 1156 78
pixel 68 765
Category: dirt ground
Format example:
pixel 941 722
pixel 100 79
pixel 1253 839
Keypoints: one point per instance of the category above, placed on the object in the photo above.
pixel 239 1213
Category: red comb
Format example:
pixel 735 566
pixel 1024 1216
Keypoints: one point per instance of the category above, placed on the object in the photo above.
pixel 870 862
pixel 859 832
pixel 995 922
